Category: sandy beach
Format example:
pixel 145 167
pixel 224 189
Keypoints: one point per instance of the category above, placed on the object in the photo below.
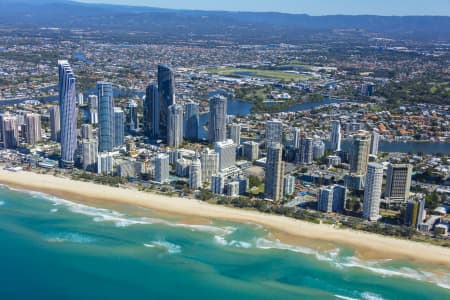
pixel 366 244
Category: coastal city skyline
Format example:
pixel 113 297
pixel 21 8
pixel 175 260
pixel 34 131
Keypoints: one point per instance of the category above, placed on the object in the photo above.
pixel 230 155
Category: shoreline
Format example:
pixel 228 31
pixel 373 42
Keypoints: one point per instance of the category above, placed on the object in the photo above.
pixel 292 230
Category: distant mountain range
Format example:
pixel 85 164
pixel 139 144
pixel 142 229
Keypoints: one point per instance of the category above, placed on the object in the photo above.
pixel 249 26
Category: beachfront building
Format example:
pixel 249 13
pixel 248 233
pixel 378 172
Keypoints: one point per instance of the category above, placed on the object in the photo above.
pixel 415 213
pixel 289 185
pixel 105 163
pixel 175 126
pixel 251 150
pixel 55 123
pixel 162 168
pixel 89 154
pixel 106 141
pixel 191 121
pixel 151 111
pixel 335 137
pixel 274 132
pixel 10 131
pixel 398 183
pixel 119 128
pixel 166 91
pixel 217 130
pixel 372 191
pixel 273 183
pixel 195 174
pixel 210 164
pixel 68 113
pixel 227 154
pixel 331 199
pixel 33 128
pixel 218 184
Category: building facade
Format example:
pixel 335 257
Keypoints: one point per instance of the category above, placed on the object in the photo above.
pixel 273 188
pixel 106 128
pixel 372 192
pixel 217 127
pixel 68 114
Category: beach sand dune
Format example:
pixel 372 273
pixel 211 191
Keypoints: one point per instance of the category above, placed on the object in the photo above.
pixel 366 244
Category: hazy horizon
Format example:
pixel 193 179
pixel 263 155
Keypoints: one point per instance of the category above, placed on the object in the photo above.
pixel 318 7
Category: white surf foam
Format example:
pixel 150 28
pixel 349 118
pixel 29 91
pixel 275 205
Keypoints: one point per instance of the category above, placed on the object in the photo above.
pixel 2 203
pixel 344 297
pixel 237 244
pixel 171 248
pixel 54 210
pixel 371 296
pixel 70 237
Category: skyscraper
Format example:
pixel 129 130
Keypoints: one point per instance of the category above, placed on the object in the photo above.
pixel 359 153
pixel 336 136
pixel 105 163
pixel 151 111
pixel 166 89
pixel 372 191
pixel 191 121
pixel 55 124
pixel 33 125
pixel 415 213
pixel 105 117
pixel 289 185
pixel 218 184
pixel 297 138
pixel 374 143
pixel 68 113
pixel 331 199
pixel 325 200
pixel 398 182
pixel 235 133
pixel 210 164
pixel 119 127
pixel 10 131
pixel 162 168
pixel 251 150
pixel 90 154
pixel 217 128
pixel 227 154
pixel 195 174
pixel 92 102
pixel 318 149
pixel 273 188
pixel 131 120
pixel 274 132
pixel 175 126
pixel 87 132
pixel 306 151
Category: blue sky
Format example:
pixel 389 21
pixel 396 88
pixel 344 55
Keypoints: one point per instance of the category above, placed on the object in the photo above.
pixel 313 7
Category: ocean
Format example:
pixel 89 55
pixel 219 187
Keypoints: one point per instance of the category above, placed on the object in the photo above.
pixel 51 248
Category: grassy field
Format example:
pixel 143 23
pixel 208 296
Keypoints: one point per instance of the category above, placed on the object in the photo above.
pixel 274 74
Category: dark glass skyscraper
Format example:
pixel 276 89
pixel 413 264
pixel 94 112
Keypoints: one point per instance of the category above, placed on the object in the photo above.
pixel 166 89
pixel 191 121
pixel 151 111
pixel 105 117
pixel 217 128
pixel 68 113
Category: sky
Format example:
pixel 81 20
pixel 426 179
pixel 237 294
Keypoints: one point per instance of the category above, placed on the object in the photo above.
pixel 312 7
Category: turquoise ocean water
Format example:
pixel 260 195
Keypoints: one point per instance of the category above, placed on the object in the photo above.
pixel 52 248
